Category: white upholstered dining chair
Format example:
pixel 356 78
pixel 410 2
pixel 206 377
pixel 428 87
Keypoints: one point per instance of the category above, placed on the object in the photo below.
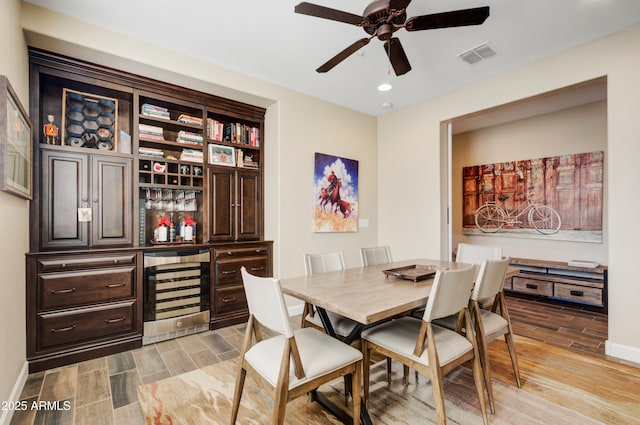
pixel 324 263
pixel 292 363
pixel 426 347
pixel 492 323
pixel 474 254
pixel 375 255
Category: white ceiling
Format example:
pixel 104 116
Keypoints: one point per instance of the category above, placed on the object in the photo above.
pixel 267 40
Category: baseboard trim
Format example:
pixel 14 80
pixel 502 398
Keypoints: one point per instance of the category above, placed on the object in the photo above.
pixel 623 352
pixel 5 418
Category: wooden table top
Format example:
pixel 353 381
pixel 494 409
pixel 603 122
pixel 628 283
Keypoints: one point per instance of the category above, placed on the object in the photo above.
pixel 364 294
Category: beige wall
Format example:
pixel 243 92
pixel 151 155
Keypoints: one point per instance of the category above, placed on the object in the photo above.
pixel 409 146
pixel 14 216
pixel 575 130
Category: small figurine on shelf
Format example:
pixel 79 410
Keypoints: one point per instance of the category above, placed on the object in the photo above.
pixel 163 226
pixel 50 131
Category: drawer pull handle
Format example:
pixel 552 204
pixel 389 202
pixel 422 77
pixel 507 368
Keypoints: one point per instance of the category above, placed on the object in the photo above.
pixel 229 271
pixel 70 328
pixel 229 253
pixel 115 285
pixel 119 319
pixel 63 291
pixel 577 293
pixel 259 251
pixel 257 269
pixel 531 286
pixel 228 300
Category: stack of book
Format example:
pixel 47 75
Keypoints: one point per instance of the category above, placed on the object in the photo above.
pixel 189 138
pixel 215 129
pixel 150 132
pixel 246 161
pixel 188 119
pixel 241 134
pixel 191 155
pixel 156 153
pixel 150 110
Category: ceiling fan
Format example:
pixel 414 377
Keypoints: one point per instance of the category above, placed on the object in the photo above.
pixel 381 18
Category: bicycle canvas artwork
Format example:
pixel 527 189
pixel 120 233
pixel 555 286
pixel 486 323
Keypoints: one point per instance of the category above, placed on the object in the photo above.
pixel 559 197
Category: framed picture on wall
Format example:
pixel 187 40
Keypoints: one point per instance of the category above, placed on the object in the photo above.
pixel 15 143
pixel 335 194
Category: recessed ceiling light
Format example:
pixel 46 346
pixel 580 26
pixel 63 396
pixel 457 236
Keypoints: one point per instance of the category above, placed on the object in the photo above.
pixel 384 87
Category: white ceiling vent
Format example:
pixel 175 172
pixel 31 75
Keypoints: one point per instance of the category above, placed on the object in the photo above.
pixel 477 54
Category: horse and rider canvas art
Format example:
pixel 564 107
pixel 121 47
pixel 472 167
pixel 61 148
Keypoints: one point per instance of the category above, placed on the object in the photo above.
pixel 336 194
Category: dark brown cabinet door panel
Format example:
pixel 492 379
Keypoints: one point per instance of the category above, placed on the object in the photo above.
pixel 111 201
pixel 65 183
pixel 249 206
pixel 221 211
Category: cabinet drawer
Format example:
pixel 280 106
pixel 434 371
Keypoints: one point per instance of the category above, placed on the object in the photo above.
pixel 228 271
pixel 86 287
pixel 532 286
pixel 72 327
pixel 230 299
pixel 78 262
pixel 583 294
pixel 224 254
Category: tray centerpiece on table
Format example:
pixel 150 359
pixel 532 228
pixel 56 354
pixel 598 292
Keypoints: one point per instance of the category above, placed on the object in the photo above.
pixel 413 272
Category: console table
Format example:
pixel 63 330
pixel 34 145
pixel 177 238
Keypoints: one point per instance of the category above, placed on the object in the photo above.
pixel 560 281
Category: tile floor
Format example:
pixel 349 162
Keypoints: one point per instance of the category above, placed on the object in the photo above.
pixel 103 391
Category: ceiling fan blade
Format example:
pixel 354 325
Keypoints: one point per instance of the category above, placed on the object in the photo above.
pixel 398 4
pixel 397 56
pixel 456 18
pixel 328 65
pixel 328 13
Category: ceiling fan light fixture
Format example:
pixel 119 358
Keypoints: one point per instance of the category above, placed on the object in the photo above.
pixel 385 87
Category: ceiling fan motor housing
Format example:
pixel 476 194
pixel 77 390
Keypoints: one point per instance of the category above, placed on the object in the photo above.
pixel 381 21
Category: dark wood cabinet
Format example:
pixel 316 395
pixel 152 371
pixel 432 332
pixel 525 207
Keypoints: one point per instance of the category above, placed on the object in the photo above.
pixel 101 185
pixel 81 305
pixel 228 300
pixel 130 150
pixel 236 205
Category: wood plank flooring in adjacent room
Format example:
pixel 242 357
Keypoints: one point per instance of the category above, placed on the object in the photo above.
pixel 568 326
pixel 103 391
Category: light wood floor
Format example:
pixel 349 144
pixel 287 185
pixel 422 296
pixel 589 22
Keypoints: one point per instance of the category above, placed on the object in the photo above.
pixel 103 391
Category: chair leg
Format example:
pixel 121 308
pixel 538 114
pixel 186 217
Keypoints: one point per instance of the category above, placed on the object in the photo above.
pixel 366 368
pixel 478 378
pixel 237 395
pixel 514 359
pixel 483 352
pixel 405 374
pixel 388 370
pixel 355 391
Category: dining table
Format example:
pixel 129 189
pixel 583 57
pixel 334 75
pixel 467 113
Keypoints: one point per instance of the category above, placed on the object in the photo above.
pixel 367 295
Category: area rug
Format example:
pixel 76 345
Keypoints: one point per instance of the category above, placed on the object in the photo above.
pixel 204 396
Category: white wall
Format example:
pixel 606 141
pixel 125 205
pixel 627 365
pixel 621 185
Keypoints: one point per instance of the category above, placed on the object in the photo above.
pixel 14 215
pixel 410 143
pixel 569 131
